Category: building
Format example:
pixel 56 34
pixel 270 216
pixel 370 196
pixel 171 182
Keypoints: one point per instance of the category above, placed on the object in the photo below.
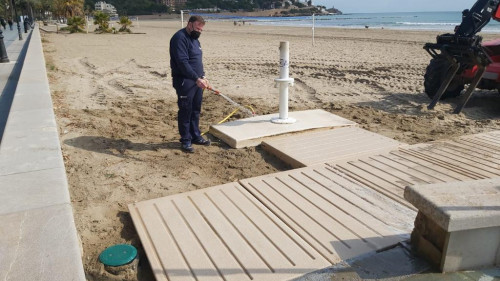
pixel 174 3
pixel 106 8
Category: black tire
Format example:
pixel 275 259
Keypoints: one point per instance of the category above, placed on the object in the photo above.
pixel 434 76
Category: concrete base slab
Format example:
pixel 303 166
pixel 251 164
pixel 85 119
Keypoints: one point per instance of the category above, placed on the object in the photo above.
pixel 41 245
pixel 252 131
pixel 328 146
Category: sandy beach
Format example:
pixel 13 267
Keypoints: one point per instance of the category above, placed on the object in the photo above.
pixel 116 110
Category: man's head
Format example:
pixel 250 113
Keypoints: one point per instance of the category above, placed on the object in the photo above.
pixel 195 26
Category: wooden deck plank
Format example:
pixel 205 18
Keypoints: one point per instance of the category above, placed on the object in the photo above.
pixel 420 164
pixel 220 233
pixel 398 171
pixel 382 186
pixel 333 198
pixel 460 164
pixel 224 261
pixel 304 186
pixel 421 155
pixel 477 152
pixel 405 166
pixel 326 214
pixel 166 258
pixel 309 228
pixel 279 233
pixel 469 160
pixel 195 256
pixel 364 198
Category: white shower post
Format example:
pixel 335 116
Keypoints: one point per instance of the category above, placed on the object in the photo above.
pixel 313 29
pixel 284 82
pixel 182 18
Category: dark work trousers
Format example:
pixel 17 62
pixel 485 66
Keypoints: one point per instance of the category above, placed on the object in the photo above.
pixel 189 99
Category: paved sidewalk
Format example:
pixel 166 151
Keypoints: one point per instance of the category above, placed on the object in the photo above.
pixel 9 72
pixel 38 239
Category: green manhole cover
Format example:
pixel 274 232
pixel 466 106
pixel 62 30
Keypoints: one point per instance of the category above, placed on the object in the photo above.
pixel 118 255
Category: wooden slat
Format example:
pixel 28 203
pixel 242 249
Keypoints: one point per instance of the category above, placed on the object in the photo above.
pixel 477 152
pixel 420 164
pixel 344 206
pixel 461 166
pixel 364 198
pixel 408 174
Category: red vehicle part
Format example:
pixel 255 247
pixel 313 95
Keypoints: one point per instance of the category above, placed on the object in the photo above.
pixel 492 70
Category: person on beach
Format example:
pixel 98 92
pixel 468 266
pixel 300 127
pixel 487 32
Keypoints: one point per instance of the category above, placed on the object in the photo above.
pixel 10 22
pixel 189 81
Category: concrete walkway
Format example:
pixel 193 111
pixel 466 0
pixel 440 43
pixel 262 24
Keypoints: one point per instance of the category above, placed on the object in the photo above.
pixel 38 238
pixel 9 72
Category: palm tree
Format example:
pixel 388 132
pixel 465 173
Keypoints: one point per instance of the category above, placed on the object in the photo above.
pixel 76 24
pixel 102 21
pixel 125 22
pixel 67 8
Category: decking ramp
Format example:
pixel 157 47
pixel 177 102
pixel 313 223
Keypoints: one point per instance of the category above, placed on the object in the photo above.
pixel 317 147
pixel 220 233
pixel 281 226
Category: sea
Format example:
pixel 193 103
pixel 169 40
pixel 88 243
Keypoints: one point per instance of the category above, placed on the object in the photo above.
pixel 439 21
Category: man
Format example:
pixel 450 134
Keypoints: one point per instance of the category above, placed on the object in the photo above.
pixel 189 81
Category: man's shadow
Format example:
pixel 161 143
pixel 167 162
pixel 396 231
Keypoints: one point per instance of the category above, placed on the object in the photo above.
pixel 117 147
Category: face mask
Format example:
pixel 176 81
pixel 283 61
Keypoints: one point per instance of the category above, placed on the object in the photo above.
pixel 195 34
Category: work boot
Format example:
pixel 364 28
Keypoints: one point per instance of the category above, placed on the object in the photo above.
pixel 202 141
pixel 186 147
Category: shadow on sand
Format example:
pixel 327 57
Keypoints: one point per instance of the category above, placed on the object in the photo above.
pixel 117 147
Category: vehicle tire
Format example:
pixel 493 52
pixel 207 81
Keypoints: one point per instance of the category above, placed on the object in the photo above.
pixel 434 76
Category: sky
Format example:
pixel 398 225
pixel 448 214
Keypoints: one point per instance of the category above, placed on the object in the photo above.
pixel 377 6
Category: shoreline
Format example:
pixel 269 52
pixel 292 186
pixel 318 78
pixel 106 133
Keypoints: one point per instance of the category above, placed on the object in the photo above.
pixel 282 22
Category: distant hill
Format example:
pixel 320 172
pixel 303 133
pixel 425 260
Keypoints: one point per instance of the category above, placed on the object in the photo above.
pixel 131 7
pixel 334 11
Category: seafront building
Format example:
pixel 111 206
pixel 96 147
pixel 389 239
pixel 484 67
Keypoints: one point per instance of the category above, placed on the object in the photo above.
pixel 174 3
pixel 106 8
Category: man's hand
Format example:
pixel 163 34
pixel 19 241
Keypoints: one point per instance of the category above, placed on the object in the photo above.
pixel 202 83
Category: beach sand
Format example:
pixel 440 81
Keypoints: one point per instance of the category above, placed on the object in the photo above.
pixel 116 110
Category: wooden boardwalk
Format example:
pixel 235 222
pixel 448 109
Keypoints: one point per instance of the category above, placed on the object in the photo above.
pixel 466 158
pixel 283 225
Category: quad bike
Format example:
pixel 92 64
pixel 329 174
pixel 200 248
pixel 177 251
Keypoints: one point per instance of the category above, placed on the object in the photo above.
pixel 461 58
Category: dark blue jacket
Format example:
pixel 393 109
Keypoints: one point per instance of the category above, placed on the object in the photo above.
pixel 185 56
